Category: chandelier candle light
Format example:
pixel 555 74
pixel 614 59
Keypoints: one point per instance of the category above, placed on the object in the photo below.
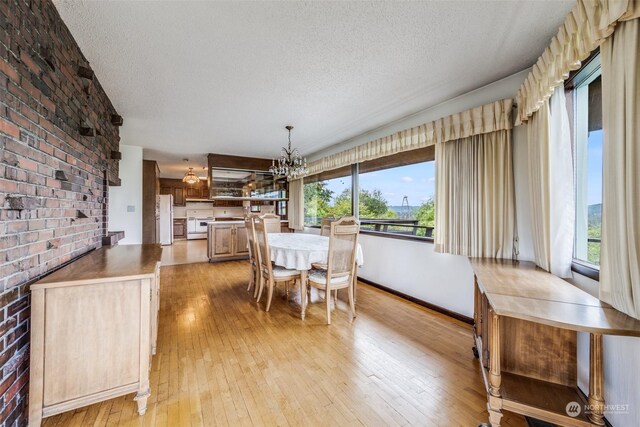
pixel 290 164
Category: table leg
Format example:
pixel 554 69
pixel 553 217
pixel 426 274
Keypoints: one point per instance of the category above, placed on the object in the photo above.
pixel 596 381
pixel 494 405
pixel 303 291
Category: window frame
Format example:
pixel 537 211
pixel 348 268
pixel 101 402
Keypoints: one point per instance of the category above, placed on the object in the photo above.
pixel 576 80
pixel 405 158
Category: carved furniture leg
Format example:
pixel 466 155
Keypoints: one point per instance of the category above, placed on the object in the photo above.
pixel 142 398
pixel 596 380
pixel 303 292
pixel 494 404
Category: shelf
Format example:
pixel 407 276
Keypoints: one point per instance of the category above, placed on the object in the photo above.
pixel 543 400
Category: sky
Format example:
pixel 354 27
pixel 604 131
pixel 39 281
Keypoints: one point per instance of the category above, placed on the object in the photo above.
pixel 594 165
pixel 417 182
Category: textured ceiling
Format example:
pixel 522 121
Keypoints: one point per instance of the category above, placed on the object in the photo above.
pixel 226 77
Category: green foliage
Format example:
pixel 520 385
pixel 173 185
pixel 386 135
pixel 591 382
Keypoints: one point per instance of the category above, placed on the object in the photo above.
pixel 426 213
pixel 318 204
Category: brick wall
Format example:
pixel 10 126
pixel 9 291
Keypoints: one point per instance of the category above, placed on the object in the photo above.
pixel 52 204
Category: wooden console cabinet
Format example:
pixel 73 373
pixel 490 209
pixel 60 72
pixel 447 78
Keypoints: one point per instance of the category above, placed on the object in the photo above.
pixel 526 322
pixel 94 325
pixel 227 240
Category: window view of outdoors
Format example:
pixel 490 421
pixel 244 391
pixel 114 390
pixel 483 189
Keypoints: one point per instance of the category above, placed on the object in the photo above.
pixel 589 171
pixel 594 197
pixel 397 200
pixel 329 198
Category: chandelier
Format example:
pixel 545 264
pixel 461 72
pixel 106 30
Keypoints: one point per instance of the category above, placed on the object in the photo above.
pixel 190 177
pixel 290 164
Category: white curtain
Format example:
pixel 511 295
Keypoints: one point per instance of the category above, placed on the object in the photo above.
pixel 483 119
pixel 295 205
pixel 475 212
pixel 620 255
pixel 551 185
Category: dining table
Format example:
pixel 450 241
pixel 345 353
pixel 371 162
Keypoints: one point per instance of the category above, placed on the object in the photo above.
pixel 300 251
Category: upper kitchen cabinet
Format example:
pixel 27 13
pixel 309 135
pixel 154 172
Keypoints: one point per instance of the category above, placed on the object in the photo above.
pixel 182 191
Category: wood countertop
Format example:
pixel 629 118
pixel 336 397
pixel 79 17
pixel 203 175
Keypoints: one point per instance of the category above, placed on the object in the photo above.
pixel 521 290
pixel 105 264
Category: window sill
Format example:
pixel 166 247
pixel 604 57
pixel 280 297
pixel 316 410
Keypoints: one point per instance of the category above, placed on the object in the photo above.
pixel 398 236
pixel 585 269
pixel 388 235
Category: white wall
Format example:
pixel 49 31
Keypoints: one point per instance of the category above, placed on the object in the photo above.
pixel 125 201
pixel 415 269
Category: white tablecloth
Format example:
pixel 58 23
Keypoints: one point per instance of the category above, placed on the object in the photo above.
pixel 297 251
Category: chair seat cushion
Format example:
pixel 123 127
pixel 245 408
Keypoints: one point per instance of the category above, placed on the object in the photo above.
pixel 283 272
pixel 320 276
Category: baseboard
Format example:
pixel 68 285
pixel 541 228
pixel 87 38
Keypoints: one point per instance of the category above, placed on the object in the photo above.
pixel 442 310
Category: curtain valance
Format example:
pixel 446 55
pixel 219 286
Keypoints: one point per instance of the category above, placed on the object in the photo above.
pixel 588 24
pixel 484 119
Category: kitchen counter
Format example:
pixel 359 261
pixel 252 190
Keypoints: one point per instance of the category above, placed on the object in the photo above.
pixel 238 222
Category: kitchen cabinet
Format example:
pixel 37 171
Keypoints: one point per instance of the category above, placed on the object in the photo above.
pixel 227 240
pixel 181 191
pixel 94 329
pixel 179 228
pixel 178 196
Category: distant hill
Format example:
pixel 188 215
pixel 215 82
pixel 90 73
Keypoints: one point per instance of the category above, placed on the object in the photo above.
pixel 595 215
pixel 402 209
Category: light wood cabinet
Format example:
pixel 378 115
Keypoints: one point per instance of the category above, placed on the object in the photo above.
pixel 227 241
pixel 94 329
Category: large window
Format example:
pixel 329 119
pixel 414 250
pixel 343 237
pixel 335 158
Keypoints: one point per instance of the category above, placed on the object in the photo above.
pixel 588 163
pixel 326 198
pixel 398 200
pixel 395 194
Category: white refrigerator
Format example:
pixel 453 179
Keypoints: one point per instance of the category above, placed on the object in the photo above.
pixel 165 203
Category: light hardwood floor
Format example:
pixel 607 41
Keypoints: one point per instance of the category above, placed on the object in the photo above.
pixel 222 360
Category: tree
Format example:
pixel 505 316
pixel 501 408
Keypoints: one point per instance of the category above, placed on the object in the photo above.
pixel 425 214
pixel 316 200
pixel 373 204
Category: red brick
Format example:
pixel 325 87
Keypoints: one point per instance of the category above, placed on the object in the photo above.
pixel 9 128
pixel 8 70
pixel 8 186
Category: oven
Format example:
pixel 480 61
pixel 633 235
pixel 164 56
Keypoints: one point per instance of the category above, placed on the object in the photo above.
pixel 197 227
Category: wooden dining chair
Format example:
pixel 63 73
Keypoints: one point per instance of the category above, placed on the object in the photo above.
pixel 341 263
pixel 270 275
pixel 249 222
pixel 273 225
pixel 325 225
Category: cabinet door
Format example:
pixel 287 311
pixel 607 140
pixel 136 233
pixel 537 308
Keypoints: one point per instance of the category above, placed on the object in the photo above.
pixel 241 240
pixel 179 228
pixel 193 192
pixel 204 192
pixel 178 196
pixel 220 241
pixel 165 190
